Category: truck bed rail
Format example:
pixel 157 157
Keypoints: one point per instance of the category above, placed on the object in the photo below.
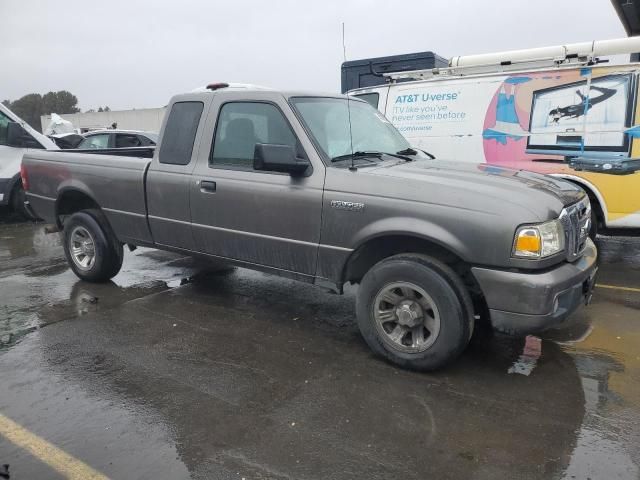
pixel 140 152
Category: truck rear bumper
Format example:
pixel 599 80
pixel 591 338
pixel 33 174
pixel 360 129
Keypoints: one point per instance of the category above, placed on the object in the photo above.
pixel 522 303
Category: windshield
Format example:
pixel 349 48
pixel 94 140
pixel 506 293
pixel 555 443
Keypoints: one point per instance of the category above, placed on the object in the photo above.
pixel 328 121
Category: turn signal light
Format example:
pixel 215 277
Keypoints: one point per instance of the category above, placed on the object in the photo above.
pixel 539 241
pixel 528 243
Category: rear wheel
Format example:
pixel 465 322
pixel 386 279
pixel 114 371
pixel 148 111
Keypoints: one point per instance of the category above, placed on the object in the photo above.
pixel 414 311
pixel 92 251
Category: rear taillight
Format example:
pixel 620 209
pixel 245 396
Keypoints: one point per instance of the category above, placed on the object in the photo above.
pixel 24 177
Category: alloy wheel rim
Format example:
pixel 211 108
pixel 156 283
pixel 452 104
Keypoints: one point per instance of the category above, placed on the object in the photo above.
pixel 83 248
pixel 406 317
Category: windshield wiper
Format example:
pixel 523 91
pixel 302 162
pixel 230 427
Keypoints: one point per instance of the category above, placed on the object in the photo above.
pixel 413 151
pixel 402 154
pixel 347 156
pixel 407 151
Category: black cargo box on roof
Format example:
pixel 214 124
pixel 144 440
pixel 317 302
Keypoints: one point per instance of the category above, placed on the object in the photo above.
pixel 367 71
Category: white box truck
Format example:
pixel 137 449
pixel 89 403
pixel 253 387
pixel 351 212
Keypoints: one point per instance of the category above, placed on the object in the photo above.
pixel 554 110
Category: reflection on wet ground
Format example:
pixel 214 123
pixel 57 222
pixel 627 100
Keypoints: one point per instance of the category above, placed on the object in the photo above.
pixel 175 370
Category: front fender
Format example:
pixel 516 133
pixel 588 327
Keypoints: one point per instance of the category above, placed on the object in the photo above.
pixel 412 227
pixel 333 257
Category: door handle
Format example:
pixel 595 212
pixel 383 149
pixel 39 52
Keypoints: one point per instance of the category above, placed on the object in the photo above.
pixel 207 186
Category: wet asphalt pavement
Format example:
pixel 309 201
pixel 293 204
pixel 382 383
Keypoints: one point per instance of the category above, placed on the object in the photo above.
pixel 175 370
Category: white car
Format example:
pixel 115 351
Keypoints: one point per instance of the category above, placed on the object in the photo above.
pixel 16 138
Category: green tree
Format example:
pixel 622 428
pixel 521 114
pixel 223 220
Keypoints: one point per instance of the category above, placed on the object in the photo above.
pixel 29 108
pixel 59 102
pixel 32 106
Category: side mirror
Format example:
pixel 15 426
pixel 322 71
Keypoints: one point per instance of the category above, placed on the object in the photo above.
pixel 18 137
pixel 278 158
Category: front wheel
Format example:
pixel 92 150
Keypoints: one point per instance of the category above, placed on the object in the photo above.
pixel 414 311
pixel 92 251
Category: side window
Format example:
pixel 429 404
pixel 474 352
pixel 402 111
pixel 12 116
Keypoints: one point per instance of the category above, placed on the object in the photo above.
pixel 180 133
pixel 371 98
pixel 4 127
pixel 124 140
pixel 95 141
pixel 146 141
pixel 243 124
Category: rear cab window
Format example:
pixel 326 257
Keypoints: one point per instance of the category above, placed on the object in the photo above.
pixel 180 133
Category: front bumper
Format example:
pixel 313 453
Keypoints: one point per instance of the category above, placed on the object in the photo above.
pixel 522 303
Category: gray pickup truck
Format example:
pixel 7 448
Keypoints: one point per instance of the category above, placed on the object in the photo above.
pixel 324 190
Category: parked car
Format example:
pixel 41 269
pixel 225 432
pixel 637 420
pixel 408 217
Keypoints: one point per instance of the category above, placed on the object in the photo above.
pixel 16 138
pixel 323 189
pixel 100 139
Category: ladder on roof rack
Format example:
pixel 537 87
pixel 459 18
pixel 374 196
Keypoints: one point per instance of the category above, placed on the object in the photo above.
pixel 561 56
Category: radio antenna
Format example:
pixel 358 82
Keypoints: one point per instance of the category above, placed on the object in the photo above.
pixel 352 168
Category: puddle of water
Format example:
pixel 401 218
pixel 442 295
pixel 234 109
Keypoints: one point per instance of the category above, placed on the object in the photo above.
pixel 37 287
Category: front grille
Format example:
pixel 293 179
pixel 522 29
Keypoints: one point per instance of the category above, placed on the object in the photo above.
pixel 576 221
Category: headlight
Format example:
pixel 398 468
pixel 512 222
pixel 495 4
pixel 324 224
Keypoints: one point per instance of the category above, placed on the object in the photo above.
pixel 539 241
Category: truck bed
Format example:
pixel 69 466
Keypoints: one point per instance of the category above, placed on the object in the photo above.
pixel 113 181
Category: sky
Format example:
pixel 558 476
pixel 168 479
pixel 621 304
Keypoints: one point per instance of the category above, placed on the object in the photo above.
pixel 137 54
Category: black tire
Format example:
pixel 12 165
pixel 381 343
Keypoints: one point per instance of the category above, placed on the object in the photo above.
pixel 593 232
pixel 597 216
pixel 18 198
pixel 442 286
pixel 107 250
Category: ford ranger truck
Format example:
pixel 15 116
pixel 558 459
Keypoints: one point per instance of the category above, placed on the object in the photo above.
pixel 323 189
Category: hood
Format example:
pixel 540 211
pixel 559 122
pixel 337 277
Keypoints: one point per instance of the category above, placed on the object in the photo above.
pixel 535 192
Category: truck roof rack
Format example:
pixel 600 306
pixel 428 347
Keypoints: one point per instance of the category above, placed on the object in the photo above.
pixel 560 56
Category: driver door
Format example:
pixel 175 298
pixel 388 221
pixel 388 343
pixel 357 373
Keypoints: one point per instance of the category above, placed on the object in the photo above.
pixel 259 217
